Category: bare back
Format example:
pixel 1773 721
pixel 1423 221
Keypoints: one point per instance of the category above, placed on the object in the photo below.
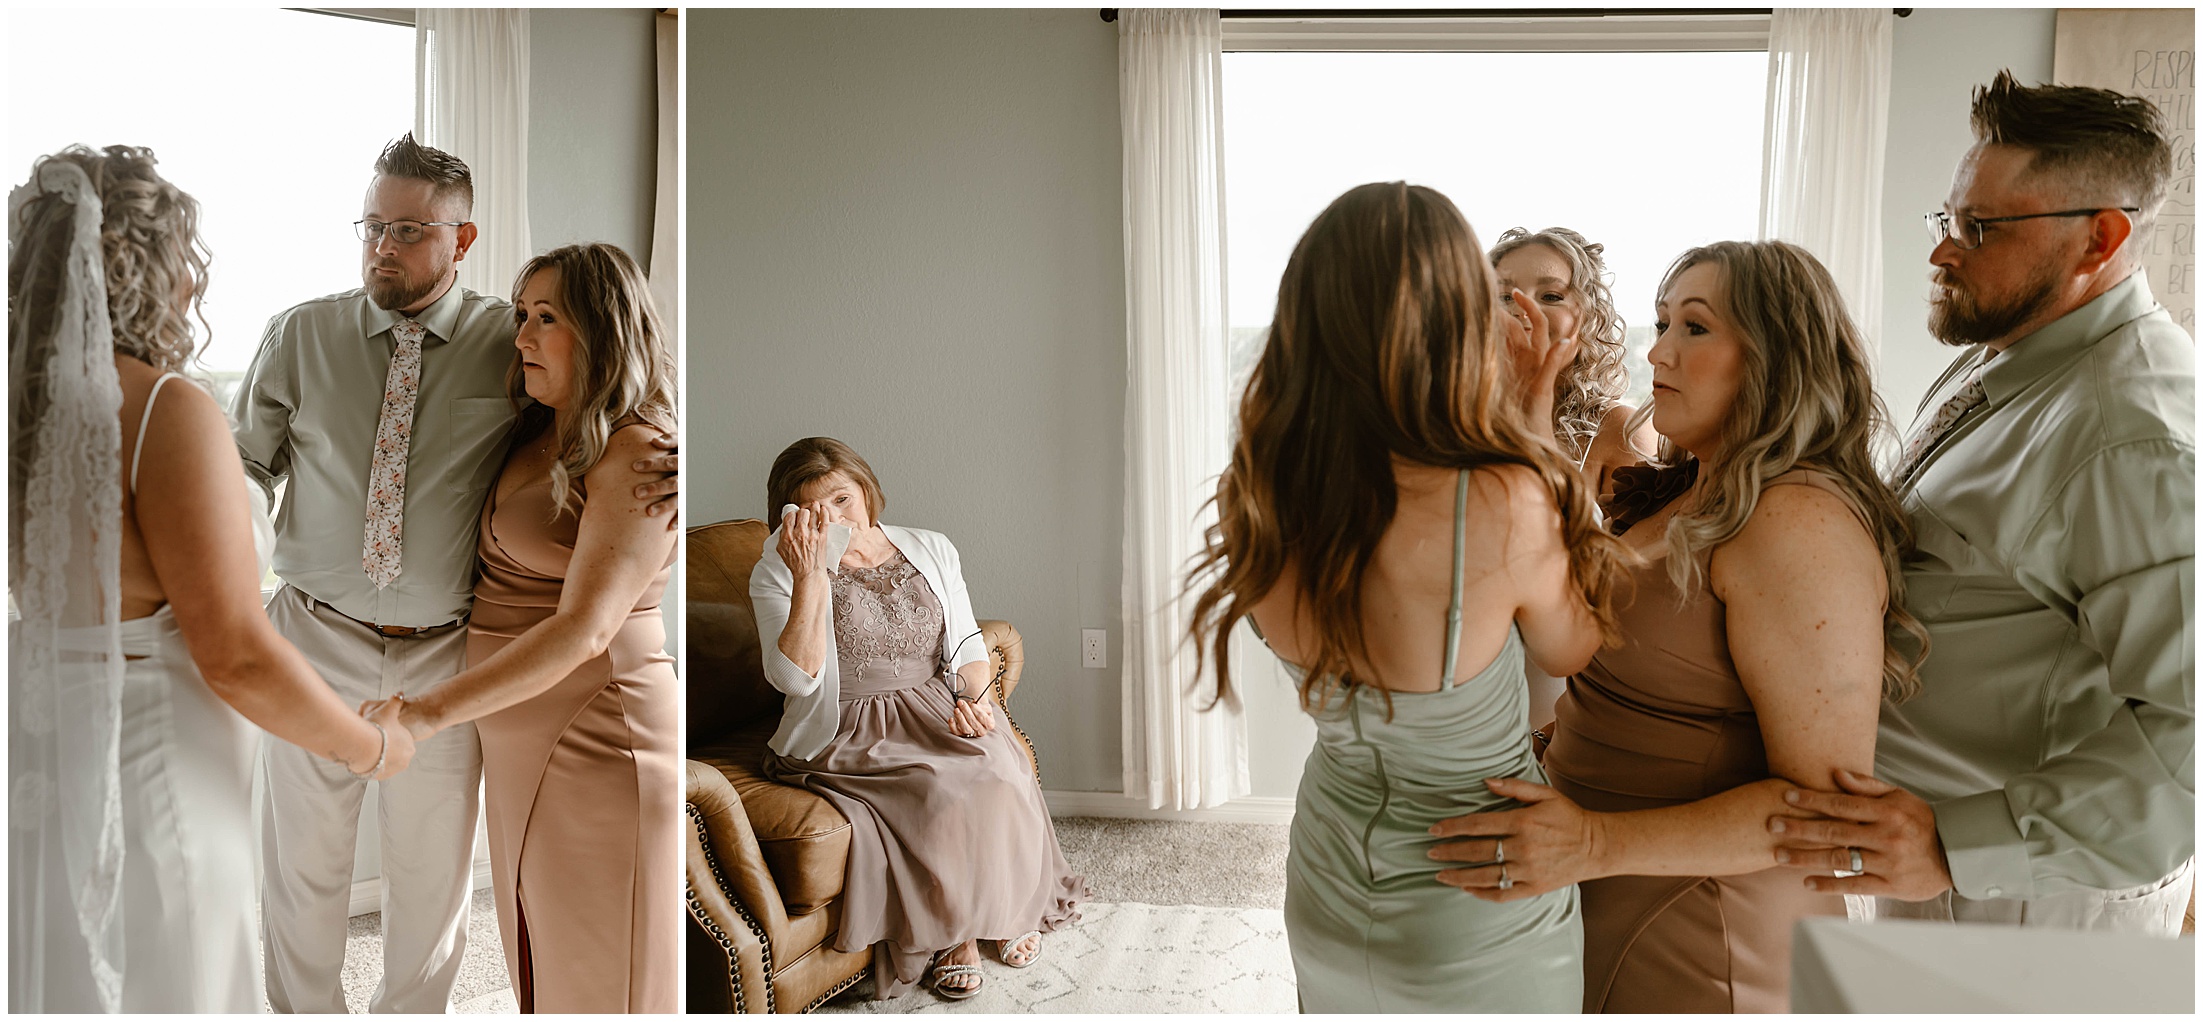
pixel 1513 571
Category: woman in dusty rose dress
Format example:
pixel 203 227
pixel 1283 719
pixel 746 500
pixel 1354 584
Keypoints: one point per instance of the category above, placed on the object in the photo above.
pixel 568 680
pixel 868 629
pixel 1754 656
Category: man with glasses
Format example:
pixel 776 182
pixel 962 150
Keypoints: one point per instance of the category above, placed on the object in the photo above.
pixel 385 409
pixel 2044 775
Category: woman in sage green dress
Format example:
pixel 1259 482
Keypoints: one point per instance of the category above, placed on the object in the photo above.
pixel 1395 526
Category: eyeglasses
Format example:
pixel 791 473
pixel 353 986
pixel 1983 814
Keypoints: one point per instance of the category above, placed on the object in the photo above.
pixel 1965 231
pixel 404 232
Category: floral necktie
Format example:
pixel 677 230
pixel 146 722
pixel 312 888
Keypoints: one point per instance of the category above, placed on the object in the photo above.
pixel 1969 396
pixel 384 543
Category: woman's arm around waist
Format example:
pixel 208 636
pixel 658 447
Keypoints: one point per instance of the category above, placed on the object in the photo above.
pixel 1803 586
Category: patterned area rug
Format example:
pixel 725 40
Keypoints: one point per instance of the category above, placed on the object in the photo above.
pixel 1130 957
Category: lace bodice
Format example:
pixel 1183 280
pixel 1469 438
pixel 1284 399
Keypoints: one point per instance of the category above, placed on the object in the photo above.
pixel 885 613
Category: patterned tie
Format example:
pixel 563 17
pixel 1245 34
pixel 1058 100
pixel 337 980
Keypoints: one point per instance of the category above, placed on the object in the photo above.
pixel 384 543
pixel 1969 396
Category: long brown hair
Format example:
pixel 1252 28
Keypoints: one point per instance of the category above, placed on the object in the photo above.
pixel 1386 342
pixel 623 361
pixel 1806 401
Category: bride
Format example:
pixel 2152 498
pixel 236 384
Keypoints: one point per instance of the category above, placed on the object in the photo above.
pixel 141 659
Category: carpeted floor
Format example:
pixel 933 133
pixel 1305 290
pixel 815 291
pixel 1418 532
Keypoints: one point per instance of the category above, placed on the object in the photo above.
pixel 1185 918
pixel 482 988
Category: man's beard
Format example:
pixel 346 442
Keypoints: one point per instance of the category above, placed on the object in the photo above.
pixel 1958 317
pixel 399 292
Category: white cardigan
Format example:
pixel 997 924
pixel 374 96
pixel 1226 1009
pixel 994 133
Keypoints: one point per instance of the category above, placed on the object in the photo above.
pixel 813 711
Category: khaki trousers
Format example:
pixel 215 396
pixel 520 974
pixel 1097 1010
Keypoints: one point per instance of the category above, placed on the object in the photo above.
pixel 2155 909
pixel 310 827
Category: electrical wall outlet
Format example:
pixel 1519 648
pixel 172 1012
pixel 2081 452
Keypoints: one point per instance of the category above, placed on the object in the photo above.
pixel 1094 646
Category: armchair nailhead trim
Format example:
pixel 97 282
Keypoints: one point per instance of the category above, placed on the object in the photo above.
pixel 1003 700
pixel 734 960
pixel 838 988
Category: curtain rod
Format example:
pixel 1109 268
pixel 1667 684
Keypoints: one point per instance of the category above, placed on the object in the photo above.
pixel 1109 14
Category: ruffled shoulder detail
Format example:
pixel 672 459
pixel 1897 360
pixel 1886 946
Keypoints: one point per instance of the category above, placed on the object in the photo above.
pixel 1640 491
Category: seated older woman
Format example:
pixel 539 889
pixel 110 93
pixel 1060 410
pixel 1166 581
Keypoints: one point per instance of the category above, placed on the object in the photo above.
pixel 869 631
pixel 1754 656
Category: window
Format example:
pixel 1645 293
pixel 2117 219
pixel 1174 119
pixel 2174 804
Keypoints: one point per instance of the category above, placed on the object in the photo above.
pixel 1648 153
pixel 270 118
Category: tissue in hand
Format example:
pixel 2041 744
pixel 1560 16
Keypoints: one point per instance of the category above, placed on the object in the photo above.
pixel 837 535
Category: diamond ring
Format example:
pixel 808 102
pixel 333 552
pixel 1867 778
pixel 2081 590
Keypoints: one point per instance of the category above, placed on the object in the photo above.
pixel 1505 882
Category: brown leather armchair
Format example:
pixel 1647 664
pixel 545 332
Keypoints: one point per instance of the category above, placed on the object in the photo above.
pixel 765 861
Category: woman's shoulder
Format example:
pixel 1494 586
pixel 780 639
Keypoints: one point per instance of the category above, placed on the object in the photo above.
pixel 626 444
pixel 1798 513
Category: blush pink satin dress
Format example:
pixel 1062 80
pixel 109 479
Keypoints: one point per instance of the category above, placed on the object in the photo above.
pixel 582 785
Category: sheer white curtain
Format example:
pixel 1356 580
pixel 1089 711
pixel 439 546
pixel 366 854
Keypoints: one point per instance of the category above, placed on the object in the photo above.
pixel 665 233
pixel 471 101
pixel 1170 89
pixel 1827 128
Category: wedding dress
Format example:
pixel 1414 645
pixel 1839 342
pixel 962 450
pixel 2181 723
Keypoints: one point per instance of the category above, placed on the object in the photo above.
pixel 131 874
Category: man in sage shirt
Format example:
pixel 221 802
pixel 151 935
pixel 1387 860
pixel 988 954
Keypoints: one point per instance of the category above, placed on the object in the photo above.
pixel 2045 773
pixel 386 410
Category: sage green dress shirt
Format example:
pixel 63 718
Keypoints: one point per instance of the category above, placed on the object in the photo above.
pixel 307 412
pixel 2054 732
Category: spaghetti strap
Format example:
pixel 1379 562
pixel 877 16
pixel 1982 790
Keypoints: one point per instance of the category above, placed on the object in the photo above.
pixel 145 418
pixel 1453 607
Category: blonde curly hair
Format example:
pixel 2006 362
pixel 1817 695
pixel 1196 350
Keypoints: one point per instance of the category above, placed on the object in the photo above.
pixel 1595 382
pixel 156 263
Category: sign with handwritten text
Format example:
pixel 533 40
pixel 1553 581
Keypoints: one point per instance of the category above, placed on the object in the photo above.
pixel 2151 54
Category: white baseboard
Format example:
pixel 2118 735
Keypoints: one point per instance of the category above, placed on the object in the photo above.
pixel 1251 809
pixel 367 894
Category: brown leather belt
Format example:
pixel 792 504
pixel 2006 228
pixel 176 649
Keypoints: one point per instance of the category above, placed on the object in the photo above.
pixel 388 631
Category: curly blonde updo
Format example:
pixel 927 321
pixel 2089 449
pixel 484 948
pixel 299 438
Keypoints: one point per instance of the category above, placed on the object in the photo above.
pixel 1595 382
pixel 156 264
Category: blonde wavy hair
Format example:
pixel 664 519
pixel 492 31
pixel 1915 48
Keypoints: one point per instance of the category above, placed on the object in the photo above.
pixel 623 361
pixel 1806 401
pixel 1594 383
pixel 149 236
pixel 1386 341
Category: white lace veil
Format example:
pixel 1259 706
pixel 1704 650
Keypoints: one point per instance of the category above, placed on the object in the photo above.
pixel 65 659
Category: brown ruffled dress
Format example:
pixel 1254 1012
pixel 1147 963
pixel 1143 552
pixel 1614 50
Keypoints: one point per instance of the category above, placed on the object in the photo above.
pixel 1660 721
pixel 949 839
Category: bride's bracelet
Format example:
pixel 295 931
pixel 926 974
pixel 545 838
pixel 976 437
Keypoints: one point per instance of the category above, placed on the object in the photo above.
pixel 379 753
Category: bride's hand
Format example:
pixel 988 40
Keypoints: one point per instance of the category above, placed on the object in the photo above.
pixel 398 742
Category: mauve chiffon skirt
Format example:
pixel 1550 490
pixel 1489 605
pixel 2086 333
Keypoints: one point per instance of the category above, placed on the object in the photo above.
pixel 949 839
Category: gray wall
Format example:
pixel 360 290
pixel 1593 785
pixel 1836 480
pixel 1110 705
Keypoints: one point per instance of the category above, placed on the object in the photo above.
pixel 593 127
pixel 1937 58
pixel 905 232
